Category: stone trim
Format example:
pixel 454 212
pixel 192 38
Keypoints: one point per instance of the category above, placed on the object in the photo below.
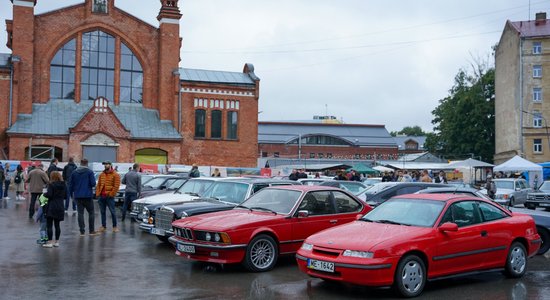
pixel 216 92
pixel 23 3
pixel 169 21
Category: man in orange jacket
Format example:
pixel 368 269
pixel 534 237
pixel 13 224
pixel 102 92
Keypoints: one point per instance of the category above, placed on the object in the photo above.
pixel 106 190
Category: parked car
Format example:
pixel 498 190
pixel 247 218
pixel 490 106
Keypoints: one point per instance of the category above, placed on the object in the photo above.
pixel 353 186
pixel 540 197
pixel 170 186
pixel 311 181
pixel 221 195
pixel 392 189
pixel 156 182
pixel 368 181
pixel 542 219
pixel 511 191
pixel 272 222
pixel 411 239
pixel 191 189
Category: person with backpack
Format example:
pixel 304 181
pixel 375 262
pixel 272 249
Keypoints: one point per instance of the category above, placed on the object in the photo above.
pixel 19 181
pixel 67 172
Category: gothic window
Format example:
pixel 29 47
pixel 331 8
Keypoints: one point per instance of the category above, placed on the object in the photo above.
pixel 232 123
pixel 98 65
pixel 131 76
pixel 200 123
pixel 62 72
pixel 216 127
pixel 99 6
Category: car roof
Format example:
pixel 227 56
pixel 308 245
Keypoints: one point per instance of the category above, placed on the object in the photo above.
pixel 252 180
pixel 304 188
pixel 507 179
pixel 447 189
pixel 437 197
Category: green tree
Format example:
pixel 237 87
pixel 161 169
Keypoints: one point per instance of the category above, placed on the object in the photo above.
pixel 409 131
pixel 464 121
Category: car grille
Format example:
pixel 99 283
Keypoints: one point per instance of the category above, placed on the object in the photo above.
pixel 138 207
pixel 184 233
pixel 538 197
pixel 164 219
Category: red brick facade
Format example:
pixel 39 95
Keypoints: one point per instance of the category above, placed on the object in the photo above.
pixel 37 38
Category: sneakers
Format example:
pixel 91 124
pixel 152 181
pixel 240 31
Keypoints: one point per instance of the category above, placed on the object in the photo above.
pixel 7 198
pixel 102 229
pixel 115 229
pixel 48 245
pixel 82 234
pixel 93 233
pixel 42 241
pixel 56 244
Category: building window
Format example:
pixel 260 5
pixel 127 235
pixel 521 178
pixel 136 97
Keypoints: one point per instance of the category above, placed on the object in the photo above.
pixel 62 72
pixel 312 155
pixel 537 145
pixel 232 125
pixel 537 120
pixel 131 76
pixel 357 156
pixel 320 155
pixel 329 155
pixel 275 154
pixel 99 6
pixel 200 122
pixel 537 71
pixel 537 94
pixel 264 154
pixel 537 47
pixel 411 145
pixel 98 65
pixel 216 125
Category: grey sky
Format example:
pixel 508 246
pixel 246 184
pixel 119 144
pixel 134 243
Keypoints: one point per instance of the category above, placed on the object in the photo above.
pixel 363 61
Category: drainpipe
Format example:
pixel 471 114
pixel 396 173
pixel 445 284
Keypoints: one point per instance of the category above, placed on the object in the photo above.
pixel 179 109
pixel 521 96
pixel 13 59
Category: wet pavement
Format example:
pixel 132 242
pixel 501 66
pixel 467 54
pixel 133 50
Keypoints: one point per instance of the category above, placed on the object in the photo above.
pixel 133 264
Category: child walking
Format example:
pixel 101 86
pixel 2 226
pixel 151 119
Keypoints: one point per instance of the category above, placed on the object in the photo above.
pixel 41 218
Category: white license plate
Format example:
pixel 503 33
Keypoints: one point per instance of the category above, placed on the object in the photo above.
pixel 186 248
pixel 157 231
pixel 544 204
pixel 320 265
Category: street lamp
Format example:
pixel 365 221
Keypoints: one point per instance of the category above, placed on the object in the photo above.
pixel 545 126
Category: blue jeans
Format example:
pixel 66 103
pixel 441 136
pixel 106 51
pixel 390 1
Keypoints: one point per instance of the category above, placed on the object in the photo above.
pixel 68 199
pixel 129 197
pixel 6 187
pixel 105 202
pixel 1 190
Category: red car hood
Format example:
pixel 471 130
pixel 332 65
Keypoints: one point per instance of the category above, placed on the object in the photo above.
pixel 229 219
pixel 362 236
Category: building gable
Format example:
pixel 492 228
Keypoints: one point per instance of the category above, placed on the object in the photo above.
pixel 100 118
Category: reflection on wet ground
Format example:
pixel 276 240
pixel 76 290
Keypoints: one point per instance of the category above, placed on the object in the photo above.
pixel 132 264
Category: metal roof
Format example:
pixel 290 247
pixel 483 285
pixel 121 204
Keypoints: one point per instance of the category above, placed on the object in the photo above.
pixel 5 60
pixel 57 116
pixel 197 75
pixel 532 28
pixel 360 135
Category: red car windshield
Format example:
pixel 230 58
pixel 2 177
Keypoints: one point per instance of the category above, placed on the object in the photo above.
pixel 279 201
pixel 410 212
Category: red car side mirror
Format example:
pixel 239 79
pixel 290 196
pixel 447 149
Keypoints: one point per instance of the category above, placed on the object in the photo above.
pixel 448 227
pixel 303 213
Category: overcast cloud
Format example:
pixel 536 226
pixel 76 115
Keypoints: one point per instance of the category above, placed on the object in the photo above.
pixel 365 62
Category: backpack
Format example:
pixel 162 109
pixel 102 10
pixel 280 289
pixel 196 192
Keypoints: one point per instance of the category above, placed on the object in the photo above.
pixel 17 179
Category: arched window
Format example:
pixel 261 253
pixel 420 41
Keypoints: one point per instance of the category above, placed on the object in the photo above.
pixel 131 76
pixel 62 70
pixel 151 156
pixel 216 127
pixel 98 65
pixel 200 122
pixel 320 140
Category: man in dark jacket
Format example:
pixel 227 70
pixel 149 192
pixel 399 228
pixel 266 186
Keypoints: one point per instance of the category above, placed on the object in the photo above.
pixel 53 167
pixel 67 172
pixel 132 180
pixel 82 184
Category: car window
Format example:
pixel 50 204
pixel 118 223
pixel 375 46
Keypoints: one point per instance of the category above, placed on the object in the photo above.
pixel 408 190
pixel 317 203
pixel 258 187
pixel 195 187
pixel 462 213
pixel 414 212
pixel 353 187
pixel 524 184
pixel 490 213
pixel 344 203
pixel 277 200
pixel 504 184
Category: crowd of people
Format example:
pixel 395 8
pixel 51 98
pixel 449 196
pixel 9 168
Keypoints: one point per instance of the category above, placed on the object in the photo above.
pixel 415 176
pixel 51 192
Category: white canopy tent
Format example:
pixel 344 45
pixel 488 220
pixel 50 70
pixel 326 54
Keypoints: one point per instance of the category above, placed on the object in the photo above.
pixel 383 169
pixel 518 164
pixel 469 169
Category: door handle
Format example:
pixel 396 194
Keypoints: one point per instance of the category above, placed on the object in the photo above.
pixel 333 221
pixel 483 233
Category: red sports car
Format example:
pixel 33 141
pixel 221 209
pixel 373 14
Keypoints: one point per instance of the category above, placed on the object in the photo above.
pixel 414 238
pixel 274 221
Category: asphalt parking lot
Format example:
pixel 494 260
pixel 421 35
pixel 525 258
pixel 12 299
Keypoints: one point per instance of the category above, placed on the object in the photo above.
pixel 132 264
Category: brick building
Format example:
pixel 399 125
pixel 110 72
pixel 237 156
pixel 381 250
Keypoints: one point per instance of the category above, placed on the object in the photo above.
pixel 91 80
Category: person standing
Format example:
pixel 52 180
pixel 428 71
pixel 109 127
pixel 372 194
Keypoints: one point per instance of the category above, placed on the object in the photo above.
pixel 67 172
pixel 7 180
pixel 491 187
pixel 194 172
pixel 132 180
pixel 425 176
pixel 37 179
pixel 55 209
pixel 354 176
pixel 81 187
pixel 19 181
pixel 2 174
pixel 53 167
pixel 106 190
pixel 216 173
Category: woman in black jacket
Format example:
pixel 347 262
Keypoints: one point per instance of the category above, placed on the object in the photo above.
pixel 55 210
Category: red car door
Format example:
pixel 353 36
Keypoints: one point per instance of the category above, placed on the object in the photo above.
pixel 463 250
pixel 325 209
pixel 496 233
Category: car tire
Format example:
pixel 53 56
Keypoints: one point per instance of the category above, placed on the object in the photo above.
pixel 530 206
pixel 516 261
pixel 545 236
pixel 261 254
pixel 410 276
pixel 163 239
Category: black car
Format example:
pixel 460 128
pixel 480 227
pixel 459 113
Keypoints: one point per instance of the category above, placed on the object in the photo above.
pixel 374 196
pixel 542 219
pixel 355 187
pixel 221 195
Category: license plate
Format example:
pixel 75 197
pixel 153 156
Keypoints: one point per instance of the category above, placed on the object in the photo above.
pixel 157 231
pixel 186 248
pixel 545 204
pixel 320 265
